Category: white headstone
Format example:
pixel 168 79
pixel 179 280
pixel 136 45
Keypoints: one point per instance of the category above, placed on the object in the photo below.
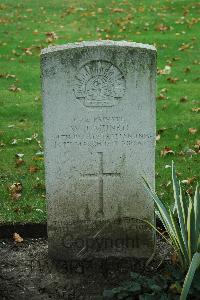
pixel 99 129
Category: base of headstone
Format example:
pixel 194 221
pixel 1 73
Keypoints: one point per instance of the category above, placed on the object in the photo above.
pixel 117 238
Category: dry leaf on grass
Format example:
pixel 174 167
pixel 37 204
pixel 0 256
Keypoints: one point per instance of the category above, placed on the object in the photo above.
pixel 28 51
pixel 51 36
pixel 14 88
pixel 16 196
pixel 117 10
pixel 190 192
pixel 189 152
pixel 157 137
pixel 196 109
pixel 197 146
pixel 162 27
pixel 35 32
pixel 166 151
pixel 187 70
pixel 172 80
pixel 161 130
pixel 184 47
pixel 161 97
pixel 19 162
pixel 33 169
pixel 166 71
pixel 183 99
pixel 7 75
pixel 15 190
pixel 192 130
pixel 100 10
pixel 189 181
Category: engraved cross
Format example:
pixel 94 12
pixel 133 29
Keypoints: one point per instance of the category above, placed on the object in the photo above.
pixel 100 176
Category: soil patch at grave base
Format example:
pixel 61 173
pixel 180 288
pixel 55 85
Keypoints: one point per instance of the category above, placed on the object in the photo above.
pixel 29 230
pixel 26 272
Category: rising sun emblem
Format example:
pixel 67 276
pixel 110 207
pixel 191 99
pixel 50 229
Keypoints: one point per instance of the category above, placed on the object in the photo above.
pixel 99 83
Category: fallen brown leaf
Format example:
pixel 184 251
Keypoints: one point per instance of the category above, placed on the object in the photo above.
pixel 198 143
pixel 186 12
pixel 184 47
pixel 188 152
pixel 51 36
pixel 17 238
pixel 187 70
pixel 196 109
pixel 172 79
pixel 192 130
pixel 19 162
pixel 16 196
pixel 161 97
pixel 183 99
pixel 161 130
pixel 117 10
pixel 28 51
pixel 165 71
pixel 100 10
pixel 197 146
pixel 7 75
pixel 157 137
pixel 176 58
pixel 16 187
pixel 162 27
pixel 178 174
pixel 68 11
pixel 33 169
pixel 190 180
pixel 181 153
pixel 14 88
pixel 166 151
pixel 15 190
pixel 190 192
pixel 141 9
pixel 35 32
pixel 37 158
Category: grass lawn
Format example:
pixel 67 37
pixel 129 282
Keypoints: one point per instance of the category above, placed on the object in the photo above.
pixel 28 26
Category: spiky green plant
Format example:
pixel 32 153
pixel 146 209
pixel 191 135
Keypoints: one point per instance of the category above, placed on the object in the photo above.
pixel 183 227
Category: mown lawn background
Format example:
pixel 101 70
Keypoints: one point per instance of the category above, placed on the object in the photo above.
pixel 28 26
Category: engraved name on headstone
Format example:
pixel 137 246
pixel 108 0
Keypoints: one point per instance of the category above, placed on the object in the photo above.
pixel 99 129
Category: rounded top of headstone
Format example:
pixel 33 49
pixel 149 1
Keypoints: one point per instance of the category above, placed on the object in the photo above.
pixel 97 44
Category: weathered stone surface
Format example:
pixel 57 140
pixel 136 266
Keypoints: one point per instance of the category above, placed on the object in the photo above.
pixel 99 129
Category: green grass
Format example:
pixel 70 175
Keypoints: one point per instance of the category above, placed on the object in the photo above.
pixel 24 24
